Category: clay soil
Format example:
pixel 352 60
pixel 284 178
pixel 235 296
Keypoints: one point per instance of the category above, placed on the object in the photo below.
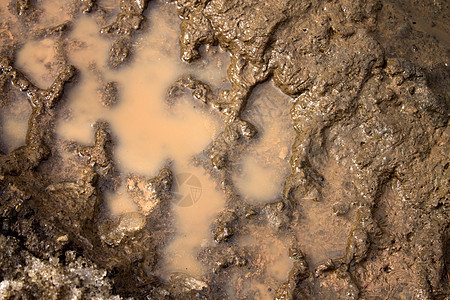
pixel 369 87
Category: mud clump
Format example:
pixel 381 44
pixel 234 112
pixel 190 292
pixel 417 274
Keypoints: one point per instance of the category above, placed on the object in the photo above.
pixel 147 193
pixel 371 148
pixel 108 95
pixel 87 5
pixel 128 20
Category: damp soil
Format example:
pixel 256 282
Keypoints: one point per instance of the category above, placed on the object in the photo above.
pixel 326 177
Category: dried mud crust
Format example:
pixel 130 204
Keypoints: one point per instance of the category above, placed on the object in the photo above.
pixel 378 121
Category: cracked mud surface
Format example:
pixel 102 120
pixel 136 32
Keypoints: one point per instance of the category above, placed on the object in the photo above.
pixel 367 83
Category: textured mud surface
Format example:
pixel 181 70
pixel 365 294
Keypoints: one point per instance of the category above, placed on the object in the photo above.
pixel 368 83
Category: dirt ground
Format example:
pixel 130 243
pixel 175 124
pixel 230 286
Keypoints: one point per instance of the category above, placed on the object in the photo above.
pixel 368 82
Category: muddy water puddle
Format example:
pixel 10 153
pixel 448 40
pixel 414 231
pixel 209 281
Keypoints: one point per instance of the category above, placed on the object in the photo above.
pixel 172 132
pixel 149 133
pixel 197 203
pixel 272 263
pixel 37 59
pixel 53 13
pixel 14 123
pixel 261 172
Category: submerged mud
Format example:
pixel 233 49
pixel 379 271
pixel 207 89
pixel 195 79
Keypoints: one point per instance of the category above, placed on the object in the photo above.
pixel 327 177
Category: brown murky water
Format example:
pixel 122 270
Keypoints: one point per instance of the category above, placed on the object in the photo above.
pixel 196 208
pixel 149 132
pixel 36 59
pixel 261 172
pixel 273 263
pixel 14 123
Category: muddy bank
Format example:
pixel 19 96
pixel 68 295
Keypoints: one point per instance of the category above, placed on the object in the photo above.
pixel 363 210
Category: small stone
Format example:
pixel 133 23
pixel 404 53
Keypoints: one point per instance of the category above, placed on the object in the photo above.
pixel 186 283
pixel 62 239
pixel 296 254
pixel 131 222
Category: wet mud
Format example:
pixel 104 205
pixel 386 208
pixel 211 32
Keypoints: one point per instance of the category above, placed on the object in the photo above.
pixel 224 149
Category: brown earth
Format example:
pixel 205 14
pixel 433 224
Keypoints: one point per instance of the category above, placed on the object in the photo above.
pixel 370 109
